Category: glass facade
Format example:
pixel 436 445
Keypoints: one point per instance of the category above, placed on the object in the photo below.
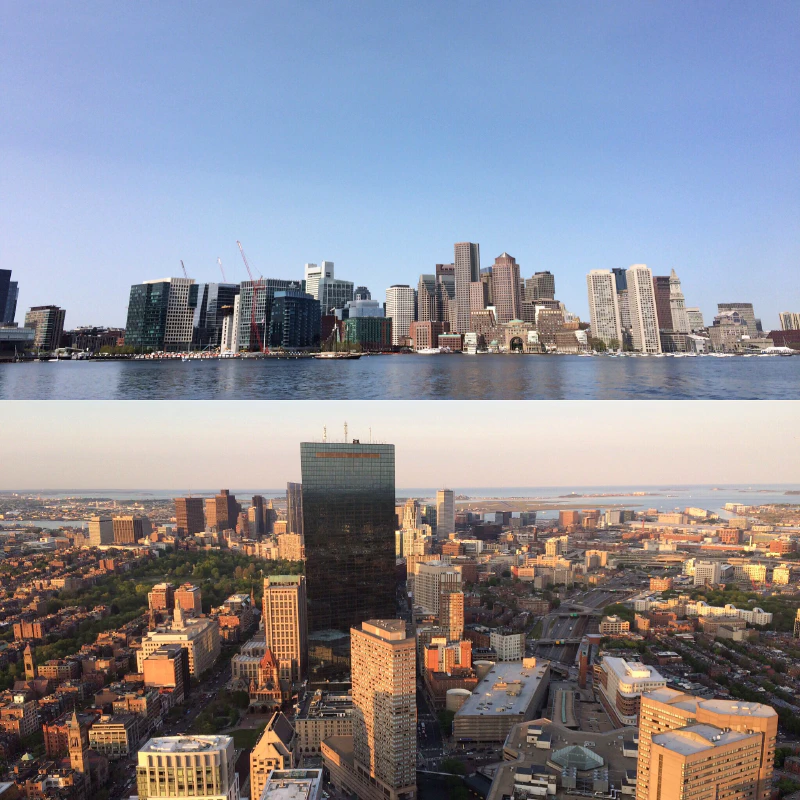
pixel 147 315
pixel 349 524
pixel 295 320
pixel 208 314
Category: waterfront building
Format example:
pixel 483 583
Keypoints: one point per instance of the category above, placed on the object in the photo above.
pixel 189 517
pixel 677 305
pixel 505 289
pixel 214 299
pixel 644 316
pixel 542 286
pixel 467 270
pixel 255 310
pixel 161 314
pixel 294 321
pixel 9 293
pixel 379 760
pixel 604 307
pixel 348 526
pixel 692 747
pixel 369 332
pixel 425 335
pixel 661 292
pixel 695 319
pixel 187 766
pixel 333 293
pixel 286 624
pixel 445 513
pixel 48 322
pixel 101 531
pixel 400 306
pixel 427 296
pixel 314 273
pixel 790 321
pixel 747 315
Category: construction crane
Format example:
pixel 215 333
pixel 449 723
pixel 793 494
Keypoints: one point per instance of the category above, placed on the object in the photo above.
pixel 219 261
pixel 258 285
pixel 184 271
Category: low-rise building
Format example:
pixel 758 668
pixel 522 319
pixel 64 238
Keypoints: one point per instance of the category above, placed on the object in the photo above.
pixel 622 684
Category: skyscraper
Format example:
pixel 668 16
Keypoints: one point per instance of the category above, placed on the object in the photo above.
pixel 384 741
pixel 662 291
pixel 286 624
pixel 314 273
pixel 255 309
pixel 427 299
pixel 445 513
pixel 348 525
pixel 677 305
pixel 747 314
pixel 604 307
pixel 542 286
pixel 48 322
pixel 294 321
pixel 101 531
pixel 334 293
pixel 644 317
pixel 9 291
pixel 467 270
pixel 400 309
pixel 294 508
pixel 189 518
pixel 222 511
pixel 209 314
pixel 506 288
pixel 161 314
pixel 691 747
pixel 128 530
pixel 790 321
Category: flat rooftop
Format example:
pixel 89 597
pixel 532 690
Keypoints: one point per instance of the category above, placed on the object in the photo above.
pixel 185 744
pixel 737 708
pixel 507 690
pixel 632 671
pixel 292 784
pixel 697 738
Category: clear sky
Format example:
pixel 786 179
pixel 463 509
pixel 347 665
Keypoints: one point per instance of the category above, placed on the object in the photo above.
pixel 574 135
pixel 200 445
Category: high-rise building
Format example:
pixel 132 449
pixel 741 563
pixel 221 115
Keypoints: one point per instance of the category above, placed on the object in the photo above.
pixel 745 311
pixel 9 292
pixel 314 273
pixel 101 531
pixel 334 293
pixel 379 761
pixel 212 301
pixel 168 668
pixel 677 305
pixel 255 309
pixel 189 599
pixel 295 320
pixel 695 319
pixel 691 748
pixel 604 307
pixel 467 262
pixel 348 526
pixel 48 322
pixel 369 332
pixel 797 625
pixel 506 288
pixel 446 303
pixel 161 314
pixel 451 611
pixel 222 511
pixel 478 296
pixel 431 579
pixel 542 286
pixel 286 624
pixel 662 292
pixel 644 316
pixel 294 508
pixel 427 299
pixel 790 321
pixel 188 766
pixel 362 293
pixel 400 309
pixel 189 517
pixel 199 637
pixel 161 597
pixel 445 513
pixel 129 529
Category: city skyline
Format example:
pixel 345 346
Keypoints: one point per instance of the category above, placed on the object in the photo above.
pixel 643 137
pixel 157 443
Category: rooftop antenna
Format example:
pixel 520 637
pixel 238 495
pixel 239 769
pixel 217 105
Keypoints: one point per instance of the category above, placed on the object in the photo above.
pixel 370 435
pixel 345 432
pixel 324 433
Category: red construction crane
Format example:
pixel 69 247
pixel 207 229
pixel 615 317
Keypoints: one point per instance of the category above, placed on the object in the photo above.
pixel 224 279
pixel 184 271
pixel 258 285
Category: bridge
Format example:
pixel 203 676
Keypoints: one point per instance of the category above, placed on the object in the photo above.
pixel 572 640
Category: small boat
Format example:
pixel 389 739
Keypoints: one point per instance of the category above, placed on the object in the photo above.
pixel 338 356
pixel 429 351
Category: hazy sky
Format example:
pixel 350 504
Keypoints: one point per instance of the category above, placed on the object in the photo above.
pixel 574 135
pixel 196 446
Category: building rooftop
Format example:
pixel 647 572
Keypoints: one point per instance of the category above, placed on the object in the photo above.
pixel 292 784
pixel 697 738
pixel 507 689
pixel 632 671
pixel 185 744
pixel 737 708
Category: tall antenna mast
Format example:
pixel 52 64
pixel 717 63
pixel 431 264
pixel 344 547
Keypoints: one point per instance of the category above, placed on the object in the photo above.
pixel 324 433
pixel 345 432
pixel 370 435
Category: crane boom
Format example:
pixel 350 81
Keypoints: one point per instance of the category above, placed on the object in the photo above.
pixel 257 285
pixel 244 258
pixel 184 271
pixel 224 279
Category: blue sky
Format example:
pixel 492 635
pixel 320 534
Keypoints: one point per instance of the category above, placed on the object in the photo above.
pixel 574 135
pixel 170 444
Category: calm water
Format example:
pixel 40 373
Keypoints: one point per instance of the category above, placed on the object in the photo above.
pixel 409 377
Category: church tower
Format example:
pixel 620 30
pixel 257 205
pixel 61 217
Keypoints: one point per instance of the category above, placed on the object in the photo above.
pixel 79 750
pixel 30 666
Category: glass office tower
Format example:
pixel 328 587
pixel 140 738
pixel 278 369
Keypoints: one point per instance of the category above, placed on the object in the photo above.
pixel 349 524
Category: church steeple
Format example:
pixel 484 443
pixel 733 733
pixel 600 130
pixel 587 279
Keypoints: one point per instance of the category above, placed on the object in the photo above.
pixel 30 665
pixel 79 750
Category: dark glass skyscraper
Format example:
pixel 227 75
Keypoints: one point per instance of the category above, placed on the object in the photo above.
pixel 348 523
pixel 8 297
pixel 147 315
pixel 295 320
